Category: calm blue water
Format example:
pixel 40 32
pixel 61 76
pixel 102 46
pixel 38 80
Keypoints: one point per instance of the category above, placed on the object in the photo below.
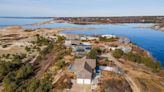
pixel 148 39
pixel 16 21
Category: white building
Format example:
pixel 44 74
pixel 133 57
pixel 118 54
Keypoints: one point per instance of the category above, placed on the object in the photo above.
pixel 69 43
pixel 108 36
pixel 92 38
pixel 83 38
pixel 112 48
pixel 125 49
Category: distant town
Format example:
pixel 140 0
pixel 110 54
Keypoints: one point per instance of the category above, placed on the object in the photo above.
pixel 127 19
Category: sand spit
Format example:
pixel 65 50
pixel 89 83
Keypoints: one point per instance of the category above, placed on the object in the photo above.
pixel 22 32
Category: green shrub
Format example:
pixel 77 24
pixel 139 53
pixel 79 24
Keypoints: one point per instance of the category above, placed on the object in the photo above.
pixel 61 64
pixel 133 57
pixel 117 53
pixel 42 41
pixel 47 50
pixel 24 71
pixel 93 53
pixel 9 83
pixel 13 84
pixel 43 85
pixel 5 68
pixel 27 49
pixel 147 61
pixel 105 39
pixel 60 38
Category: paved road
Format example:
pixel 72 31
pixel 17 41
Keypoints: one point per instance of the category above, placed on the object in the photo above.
pixel 133 85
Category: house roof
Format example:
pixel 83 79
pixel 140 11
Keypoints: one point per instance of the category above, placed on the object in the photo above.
pixel 84 74
pixel 83 67
pixel 126 49
pixel 72 36
pixel 124 40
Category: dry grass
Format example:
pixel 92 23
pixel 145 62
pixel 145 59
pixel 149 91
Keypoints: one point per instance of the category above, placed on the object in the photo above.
pixel 143 77
pixel 13 50
pixel 62 83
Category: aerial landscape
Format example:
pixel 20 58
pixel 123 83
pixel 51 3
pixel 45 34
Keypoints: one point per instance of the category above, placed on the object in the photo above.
pixel 81 46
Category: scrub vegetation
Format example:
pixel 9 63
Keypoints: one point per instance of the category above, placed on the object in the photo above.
pixel 18 76
pixel 138 58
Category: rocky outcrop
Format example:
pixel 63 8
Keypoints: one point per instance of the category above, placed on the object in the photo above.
pixel 159 27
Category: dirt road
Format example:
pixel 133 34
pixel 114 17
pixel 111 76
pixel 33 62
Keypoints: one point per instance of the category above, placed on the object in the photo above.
pixel 45 64
pixel 131 82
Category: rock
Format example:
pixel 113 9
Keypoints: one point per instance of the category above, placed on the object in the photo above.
pixel 162 29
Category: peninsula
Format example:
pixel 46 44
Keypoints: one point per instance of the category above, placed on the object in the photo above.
pixel 43 58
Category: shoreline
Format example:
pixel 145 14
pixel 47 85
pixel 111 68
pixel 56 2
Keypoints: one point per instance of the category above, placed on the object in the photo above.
pixel 155 27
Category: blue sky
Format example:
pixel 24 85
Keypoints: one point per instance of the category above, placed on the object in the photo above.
pixel 81 7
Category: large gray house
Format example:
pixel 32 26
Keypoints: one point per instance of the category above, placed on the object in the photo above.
pixel 84 69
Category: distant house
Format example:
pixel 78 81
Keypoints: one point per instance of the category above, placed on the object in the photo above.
pixel 92 38
pixel 81 50
pixel 78 48
pixel 108 36
pixel 125 49
pixel 72 36
pixel 70 43
pixel 124 40
pixel 83 38
pixel 84 69
pixel 112 48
